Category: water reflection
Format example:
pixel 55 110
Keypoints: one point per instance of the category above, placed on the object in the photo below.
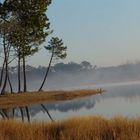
pixel 21 112
pixel 118 100
pixel 123 100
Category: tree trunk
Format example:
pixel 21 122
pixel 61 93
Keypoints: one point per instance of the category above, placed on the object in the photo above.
pixel 5 82
pixel 40 89
pixel 2 73
pixel 11 88
pixel 19 79
pixel 24 75
pixel 6 67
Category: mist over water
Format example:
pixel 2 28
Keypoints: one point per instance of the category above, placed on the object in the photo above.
pixel 78 76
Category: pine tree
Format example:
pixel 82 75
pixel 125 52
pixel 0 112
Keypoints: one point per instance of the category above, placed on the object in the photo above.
pixel 58 50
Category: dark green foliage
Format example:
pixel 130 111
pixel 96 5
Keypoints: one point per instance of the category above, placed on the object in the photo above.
pixel 56 46
pixel 30 24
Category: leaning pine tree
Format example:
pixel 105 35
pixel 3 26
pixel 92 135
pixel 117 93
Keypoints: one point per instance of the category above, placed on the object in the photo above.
pixel 58 50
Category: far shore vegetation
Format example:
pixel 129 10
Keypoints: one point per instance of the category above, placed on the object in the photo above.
pixel 88 128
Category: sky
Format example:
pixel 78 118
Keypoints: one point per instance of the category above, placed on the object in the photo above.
pixel 103 32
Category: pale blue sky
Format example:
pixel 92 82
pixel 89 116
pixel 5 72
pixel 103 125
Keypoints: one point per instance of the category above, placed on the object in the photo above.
pixel 103 32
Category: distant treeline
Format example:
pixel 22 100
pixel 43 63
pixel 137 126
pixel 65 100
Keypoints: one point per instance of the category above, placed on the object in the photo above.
pixel 59 67
pixel 78 75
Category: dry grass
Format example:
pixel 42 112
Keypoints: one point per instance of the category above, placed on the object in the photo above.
pixel 26 99
pixel 90 128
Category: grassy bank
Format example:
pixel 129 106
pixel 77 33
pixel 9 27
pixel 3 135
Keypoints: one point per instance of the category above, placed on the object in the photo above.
pixel 90 128
pixel 25 99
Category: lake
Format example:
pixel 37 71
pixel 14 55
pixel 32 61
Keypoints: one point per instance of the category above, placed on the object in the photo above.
pixel 119 99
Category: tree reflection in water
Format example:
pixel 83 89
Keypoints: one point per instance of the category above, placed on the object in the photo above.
pixel 24 111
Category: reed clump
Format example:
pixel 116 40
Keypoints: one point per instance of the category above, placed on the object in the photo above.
pixel 88 128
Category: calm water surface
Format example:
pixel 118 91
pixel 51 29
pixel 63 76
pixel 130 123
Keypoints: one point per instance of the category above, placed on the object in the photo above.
pixel 120 99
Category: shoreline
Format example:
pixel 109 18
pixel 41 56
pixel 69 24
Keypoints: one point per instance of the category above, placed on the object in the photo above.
pixel 30 98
